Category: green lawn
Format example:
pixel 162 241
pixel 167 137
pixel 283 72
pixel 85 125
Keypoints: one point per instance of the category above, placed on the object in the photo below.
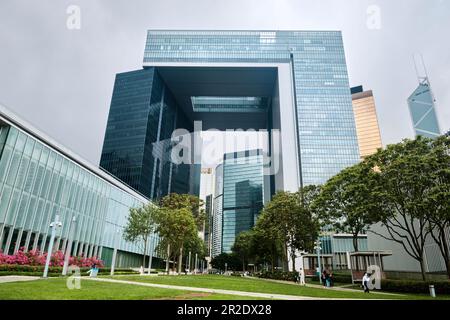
pixel 56 289
pixel 263 286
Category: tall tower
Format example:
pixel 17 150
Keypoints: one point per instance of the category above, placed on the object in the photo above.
pixel 422 106
pixel 367 129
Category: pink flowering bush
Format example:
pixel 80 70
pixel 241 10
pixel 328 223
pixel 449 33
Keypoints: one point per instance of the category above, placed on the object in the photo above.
pixel 37 258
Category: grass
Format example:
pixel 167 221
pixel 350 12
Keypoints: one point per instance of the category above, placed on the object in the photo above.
pixel 56 289
pixel 264 286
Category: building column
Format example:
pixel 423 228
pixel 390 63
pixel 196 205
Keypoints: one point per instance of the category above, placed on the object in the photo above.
pixel 36 240
pixel 18 241
pixel 80 249
pixel 8 240
pixel 27 240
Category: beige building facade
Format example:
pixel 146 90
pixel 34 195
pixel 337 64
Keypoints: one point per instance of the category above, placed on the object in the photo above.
pixel 368 131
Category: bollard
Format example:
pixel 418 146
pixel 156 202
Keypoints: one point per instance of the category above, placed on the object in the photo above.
pixel 432 292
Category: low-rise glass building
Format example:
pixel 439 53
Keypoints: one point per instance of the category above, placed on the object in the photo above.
pixel 40 179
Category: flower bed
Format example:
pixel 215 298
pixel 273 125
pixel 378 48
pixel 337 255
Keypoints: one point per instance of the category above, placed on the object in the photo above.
pixel 37 258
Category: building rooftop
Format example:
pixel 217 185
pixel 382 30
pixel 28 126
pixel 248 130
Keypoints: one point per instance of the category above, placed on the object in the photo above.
pixel 10 118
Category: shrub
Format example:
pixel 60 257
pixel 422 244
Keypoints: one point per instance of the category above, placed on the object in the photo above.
pixel 279 275
pixel 414 286
pixel 37 258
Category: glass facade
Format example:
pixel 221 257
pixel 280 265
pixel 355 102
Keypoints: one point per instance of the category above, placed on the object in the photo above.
pixel 423 113
pixel 243 193
pixel 137 146
pixel 39 181
pixel 229 104
pixel 216 243
pixel 325 122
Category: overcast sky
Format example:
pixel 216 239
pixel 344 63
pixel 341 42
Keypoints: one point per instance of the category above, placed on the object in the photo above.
pixel 61 80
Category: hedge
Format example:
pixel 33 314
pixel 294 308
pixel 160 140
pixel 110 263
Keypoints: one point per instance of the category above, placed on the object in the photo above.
pixel 279 275
pixel 337 278
pixel 414 286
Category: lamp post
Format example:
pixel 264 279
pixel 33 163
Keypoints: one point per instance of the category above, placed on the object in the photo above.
pixel 318 248
pixel 189 264
pixel 55 224
pixel 113 261
pixel 69 245
pixel 196 262
pixel 152 249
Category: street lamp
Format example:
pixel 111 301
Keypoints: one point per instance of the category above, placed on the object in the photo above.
pixel 114 257
pixel 152 249
pixel 55 224
pixel 318 248
pixel 69 246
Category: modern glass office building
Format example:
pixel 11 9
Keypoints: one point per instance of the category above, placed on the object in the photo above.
pixel 243 194
pixel 216 236
pixel 137 146
pixel 40 179
pixel 423 111
pixel 293 82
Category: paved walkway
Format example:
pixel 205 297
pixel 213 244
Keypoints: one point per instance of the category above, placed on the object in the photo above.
pixel 5 279
pixel 220 291
pixel 318 286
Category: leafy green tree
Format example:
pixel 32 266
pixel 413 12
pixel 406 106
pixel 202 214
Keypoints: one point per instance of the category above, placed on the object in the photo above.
pixel 189 201
pixel 267 245
pixel 290 218
pixel 140 225
pixel 230 259
pixel 437 198
pixel 175 228
pixel 243 247
pixel 348 202
pixel 404 178
pixel 307 223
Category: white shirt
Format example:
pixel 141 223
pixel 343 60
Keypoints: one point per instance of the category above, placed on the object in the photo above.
pixel 366 278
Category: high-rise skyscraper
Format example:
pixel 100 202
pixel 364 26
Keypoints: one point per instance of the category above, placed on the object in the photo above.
pixel 216 237
pixel 137 143
pixel 295 82
pixel 239 197
pixel 423 111
pixel 367 129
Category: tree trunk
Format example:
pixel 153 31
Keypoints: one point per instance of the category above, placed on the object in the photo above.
pixel 180 260
pixel 445 252
pixel 145 252
pixel 168 258
pixel 355 242
pixel 293 262
pixel 285 258
pixel 422 270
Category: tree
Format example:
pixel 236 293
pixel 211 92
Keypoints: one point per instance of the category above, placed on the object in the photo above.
pixel 438 195
pixel 289 218
pixel 306 221
pixel 348 201
pixel 231 260
pixel 243 246
pixel 140 225
pixel 175 228
pixel 267 245
pixel 188 201
pixel 404 179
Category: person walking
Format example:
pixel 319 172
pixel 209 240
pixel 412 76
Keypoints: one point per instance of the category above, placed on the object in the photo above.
pixel 324 278
pixel 302 277
pixel 365 282
pixel 93 271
